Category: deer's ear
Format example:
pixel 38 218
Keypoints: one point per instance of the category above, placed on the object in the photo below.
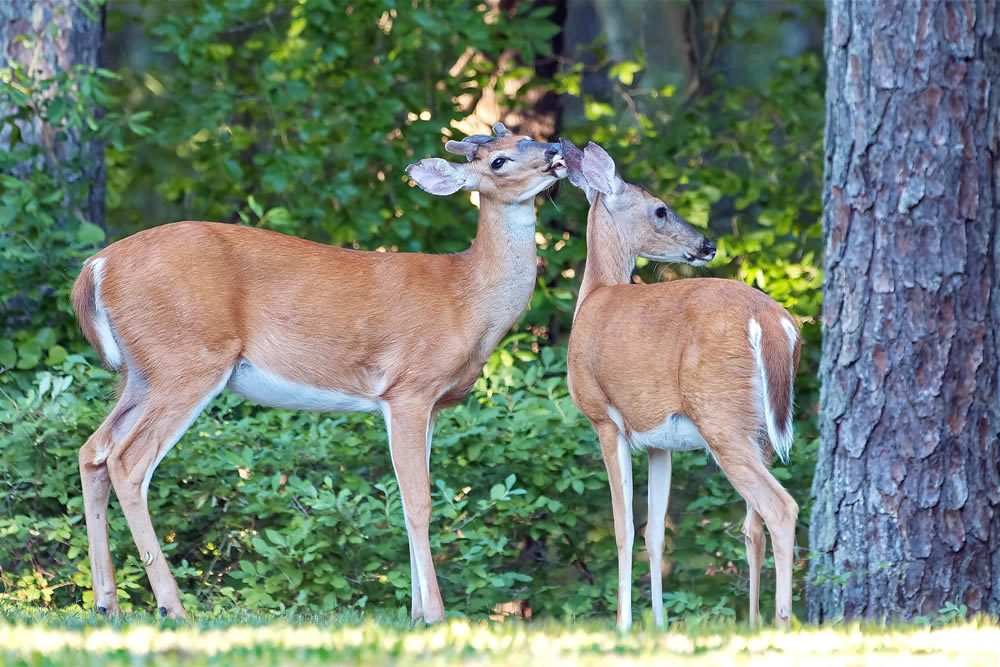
pixel 574 170
pixel 599 170
pixel 439 177
pixel 462 148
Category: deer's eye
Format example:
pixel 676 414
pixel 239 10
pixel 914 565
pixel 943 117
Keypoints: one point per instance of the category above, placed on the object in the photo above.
pixel 661 212
pixel 496 164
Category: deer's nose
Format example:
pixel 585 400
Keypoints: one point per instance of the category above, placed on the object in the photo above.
pixel 707 249
pixel 552 151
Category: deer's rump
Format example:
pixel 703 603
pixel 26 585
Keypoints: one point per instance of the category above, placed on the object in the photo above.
pixel 694 339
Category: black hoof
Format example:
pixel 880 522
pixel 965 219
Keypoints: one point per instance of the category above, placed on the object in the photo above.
pixel 103 611
pixel 163 611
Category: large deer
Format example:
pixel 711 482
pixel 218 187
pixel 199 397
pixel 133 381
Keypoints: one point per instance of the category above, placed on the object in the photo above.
pixel 185 310
pixel 689 364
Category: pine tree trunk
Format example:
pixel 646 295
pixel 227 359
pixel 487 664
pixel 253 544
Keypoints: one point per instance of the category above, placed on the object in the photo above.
pixel 907 511
pixel 48 36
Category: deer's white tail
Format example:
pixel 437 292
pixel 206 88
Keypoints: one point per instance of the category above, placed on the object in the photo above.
pixel 775 363
pixel 92 315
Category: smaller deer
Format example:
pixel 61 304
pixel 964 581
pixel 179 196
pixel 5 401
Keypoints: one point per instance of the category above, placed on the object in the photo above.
pixel 678 366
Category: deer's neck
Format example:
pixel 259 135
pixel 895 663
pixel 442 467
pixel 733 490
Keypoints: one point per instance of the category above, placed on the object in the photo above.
pixel 501 262
pixel 610 258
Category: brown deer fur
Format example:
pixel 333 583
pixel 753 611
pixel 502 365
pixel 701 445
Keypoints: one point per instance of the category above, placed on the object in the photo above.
pixel 186 309
pixel 673 366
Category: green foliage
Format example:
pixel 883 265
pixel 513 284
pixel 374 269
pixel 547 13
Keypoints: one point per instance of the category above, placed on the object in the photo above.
pixel 44 233
pixel 290 511
pixel 301 118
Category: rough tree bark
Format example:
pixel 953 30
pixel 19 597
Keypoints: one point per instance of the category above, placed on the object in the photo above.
pixel 907 510
pixel 48 36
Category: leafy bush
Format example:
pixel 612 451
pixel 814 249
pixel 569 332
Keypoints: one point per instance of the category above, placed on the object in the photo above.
pixel 44 233
pixel 289 118
pixel 299 511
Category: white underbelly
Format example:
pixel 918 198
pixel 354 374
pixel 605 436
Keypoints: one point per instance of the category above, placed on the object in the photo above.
pixel 677 433
pixel 267 388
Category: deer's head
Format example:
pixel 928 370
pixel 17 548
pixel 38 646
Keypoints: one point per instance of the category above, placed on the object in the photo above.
pixel 507 168
pixel 643 222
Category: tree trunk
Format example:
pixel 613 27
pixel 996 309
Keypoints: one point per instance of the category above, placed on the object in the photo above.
pixel 907 512
pixel 48 36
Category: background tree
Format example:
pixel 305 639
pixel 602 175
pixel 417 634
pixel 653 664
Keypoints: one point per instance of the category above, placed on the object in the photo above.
pixel 52 170
pixel 45 38
pixel 907 492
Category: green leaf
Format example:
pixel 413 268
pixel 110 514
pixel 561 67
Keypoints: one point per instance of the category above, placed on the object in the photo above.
pixel 625 71
pixel 29 355
pixel 8 355
pixel 57 355
pixel 89 234
pixel 46 337
pixel 257 209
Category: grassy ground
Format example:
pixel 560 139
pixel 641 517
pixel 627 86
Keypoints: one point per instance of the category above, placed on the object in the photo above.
pixel 28 638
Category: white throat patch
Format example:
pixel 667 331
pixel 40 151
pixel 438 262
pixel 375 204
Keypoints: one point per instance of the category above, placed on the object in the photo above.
pixel 520 221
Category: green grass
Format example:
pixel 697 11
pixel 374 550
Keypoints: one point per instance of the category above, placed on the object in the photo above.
pixel 37 638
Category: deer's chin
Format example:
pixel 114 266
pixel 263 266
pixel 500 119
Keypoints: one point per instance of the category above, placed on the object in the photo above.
pixel 670 259
pixel 547 181
pixel 677 259
pixel 697 260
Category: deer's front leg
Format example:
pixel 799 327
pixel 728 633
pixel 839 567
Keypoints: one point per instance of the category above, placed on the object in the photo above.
pixel 618 461
pixel 417 608
pixel 409 427
pixel 659 496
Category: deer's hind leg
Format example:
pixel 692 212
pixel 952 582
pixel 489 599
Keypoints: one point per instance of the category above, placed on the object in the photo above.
pixel 736 450
pixel 96 485
pixel 167 413
pixel 753 532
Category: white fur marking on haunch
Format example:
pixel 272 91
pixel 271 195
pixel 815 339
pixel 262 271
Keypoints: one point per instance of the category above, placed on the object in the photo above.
pixel 791 332
pixel 266 388
pixel 106 339
pixel 169 444
pixel 781 439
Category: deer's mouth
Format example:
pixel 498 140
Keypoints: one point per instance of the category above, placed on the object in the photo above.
pixel 694 260
pixel 558 167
